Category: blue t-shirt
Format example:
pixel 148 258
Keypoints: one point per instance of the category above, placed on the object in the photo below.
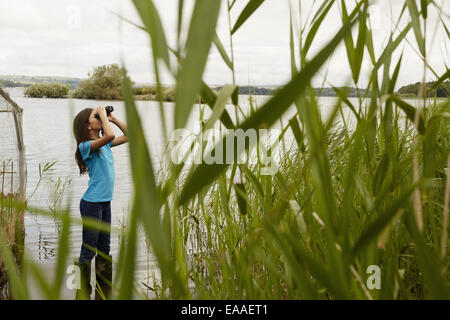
pixel 101 172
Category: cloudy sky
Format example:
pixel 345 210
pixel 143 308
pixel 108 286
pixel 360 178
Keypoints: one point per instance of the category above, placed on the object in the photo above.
pixel 70 37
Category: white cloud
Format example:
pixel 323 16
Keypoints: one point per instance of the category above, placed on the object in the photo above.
pixel 69 38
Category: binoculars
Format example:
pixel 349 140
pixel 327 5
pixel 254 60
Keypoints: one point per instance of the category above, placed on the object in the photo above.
pixel 108 109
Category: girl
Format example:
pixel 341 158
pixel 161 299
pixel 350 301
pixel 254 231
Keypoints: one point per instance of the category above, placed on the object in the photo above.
pixel 94 156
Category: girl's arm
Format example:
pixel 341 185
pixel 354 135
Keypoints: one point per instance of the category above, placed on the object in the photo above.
pixel 122 139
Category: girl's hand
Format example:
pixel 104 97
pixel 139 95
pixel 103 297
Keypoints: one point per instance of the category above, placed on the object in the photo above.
pixel 101 112
pixel 111 117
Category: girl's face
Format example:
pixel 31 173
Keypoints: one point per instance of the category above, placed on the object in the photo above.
pixel 94 123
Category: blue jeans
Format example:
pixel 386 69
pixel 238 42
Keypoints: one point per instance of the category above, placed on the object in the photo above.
pixel 96 239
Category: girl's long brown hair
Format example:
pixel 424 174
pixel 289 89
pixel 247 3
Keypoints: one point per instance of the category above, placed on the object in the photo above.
pixel 81 133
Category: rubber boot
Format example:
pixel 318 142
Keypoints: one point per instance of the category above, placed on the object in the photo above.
pixel 103 271
pixel 84 293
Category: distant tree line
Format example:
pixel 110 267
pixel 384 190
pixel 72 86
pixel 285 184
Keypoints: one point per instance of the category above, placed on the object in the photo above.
pixel 12 84
pixel 325 92
pixel 47 90
pixel 251 90
pixel 104 83
pixel 72 83
pixel 151 93
pixel 349 92
pixel 255 91
pixel 413 90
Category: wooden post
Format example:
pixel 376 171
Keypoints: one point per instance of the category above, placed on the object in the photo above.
pixel 3 178
pixel 12 177
pixel 12 188
pixel 13 225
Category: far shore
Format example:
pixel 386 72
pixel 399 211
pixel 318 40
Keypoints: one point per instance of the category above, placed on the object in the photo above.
pixel 151 97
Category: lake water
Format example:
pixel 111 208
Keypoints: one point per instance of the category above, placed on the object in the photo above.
pixel 48 137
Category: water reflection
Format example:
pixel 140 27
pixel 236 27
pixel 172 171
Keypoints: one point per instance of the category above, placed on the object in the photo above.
pixel 47 248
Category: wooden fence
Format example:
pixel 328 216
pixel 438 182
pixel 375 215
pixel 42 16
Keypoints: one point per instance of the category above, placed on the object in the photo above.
pixel 11 222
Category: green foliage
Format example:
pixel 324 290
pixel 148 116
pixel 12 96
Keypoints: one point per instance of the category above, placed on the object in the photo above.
pixel 152 93
pixel 433 89
pixel 103 84
pixel 251 7
pixel 47 90
pixel 144 91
